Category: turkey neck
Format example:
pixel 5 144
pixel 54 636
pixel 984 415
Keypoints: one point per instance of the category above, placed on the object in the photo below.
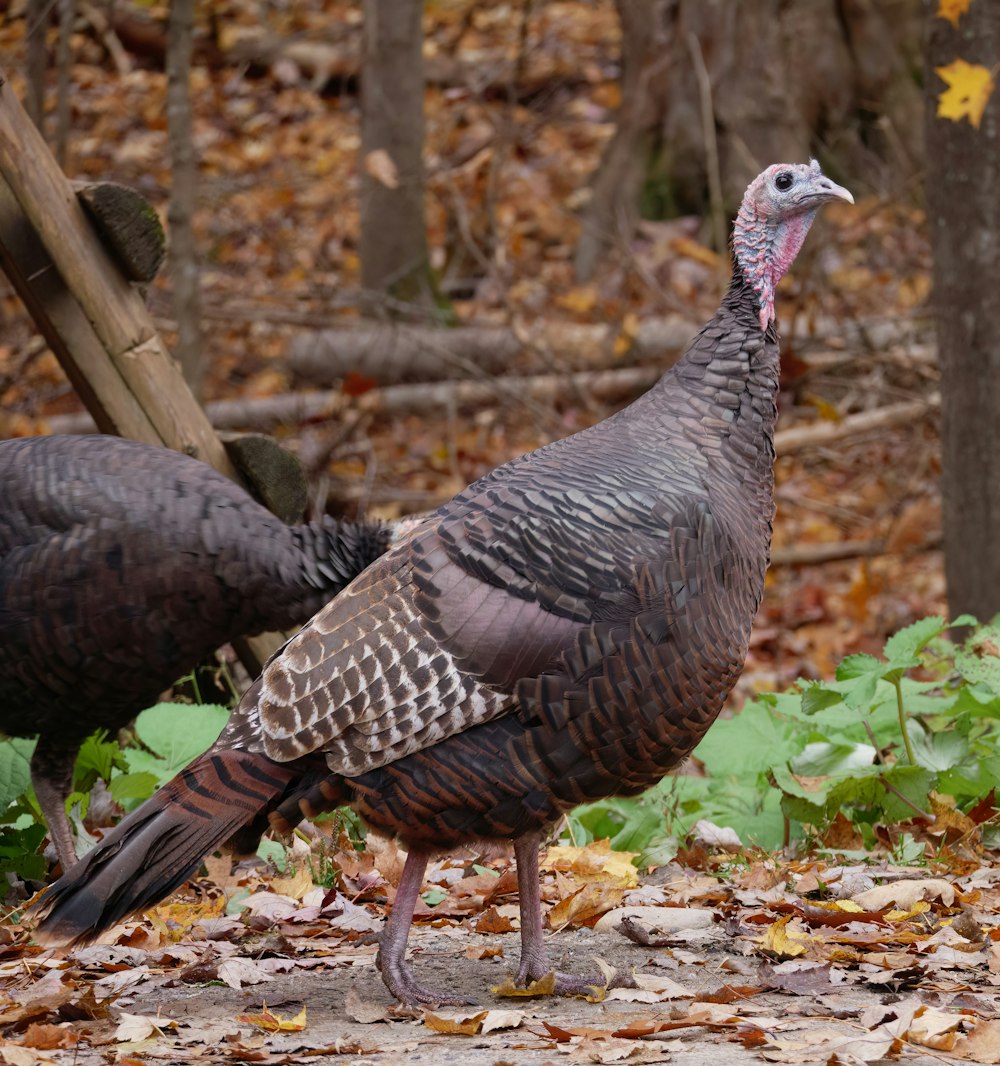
pixel 722 397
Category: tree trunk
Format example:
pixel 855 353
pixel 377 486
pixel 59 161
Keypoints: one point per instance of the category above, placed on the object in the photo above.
pixel 615 197
pixel 394 261
pixel 963 176
pixel 704 79
pixel 183 189
pixel 64 61
pixel 37 18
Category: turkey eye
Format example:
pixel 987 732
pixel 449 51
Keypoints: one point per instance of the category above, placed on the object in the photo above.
pixel 783 181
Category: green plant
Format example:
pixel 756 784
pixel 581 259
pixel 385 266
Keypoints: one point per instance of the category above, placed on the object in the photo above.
pixel 877 744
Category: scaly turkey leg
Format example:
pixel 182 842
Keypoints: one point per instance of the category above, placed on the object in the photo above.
pixel 391 957
pixel 534 953
pixel 52 778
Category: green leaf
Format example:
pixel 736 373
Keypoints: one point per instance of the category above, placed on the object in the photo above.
pixel 15 768
pixel 906 645
pixel 913 782
pixel 856 666
pixel 749 743
pixel 937 751
pixel 817 697
pixel 978 659
pixel 823 759
pixel 274 852
pixel 139 786
pixel 179 732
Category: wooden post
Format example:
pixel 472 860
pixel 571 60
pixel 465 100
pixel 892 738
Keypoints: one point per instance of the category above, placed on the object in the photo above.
pixel 93 319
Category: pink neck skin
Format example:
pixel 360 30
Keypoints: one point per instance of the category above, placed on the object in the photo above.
pixel 765 248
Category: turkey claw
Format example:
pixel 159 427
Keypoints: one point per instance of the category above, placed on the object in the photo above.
pixel 401 983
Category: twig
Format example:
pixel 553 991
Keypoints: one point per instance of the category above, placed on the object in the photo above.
pixel 787 441
pixel 810 554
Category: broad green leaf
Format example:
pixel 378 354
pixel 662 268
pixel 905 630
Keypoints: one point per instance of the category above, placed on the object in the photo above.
pixel 855 666
pixel 817 697
pixel 937 751
pixel 978 659
pixel 902 648
pixel 750 742
pixel 913 782
pixel 133 786
pixel 179 732
pixel 824 759
pixel 15 768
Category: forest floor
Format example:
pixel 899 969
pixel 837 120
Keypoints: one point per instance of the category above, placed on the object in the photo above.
pixel 792 963
pixel 744 957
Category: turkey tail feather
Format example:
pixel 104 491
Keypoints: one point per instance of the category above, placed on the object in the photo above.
pixel 157 847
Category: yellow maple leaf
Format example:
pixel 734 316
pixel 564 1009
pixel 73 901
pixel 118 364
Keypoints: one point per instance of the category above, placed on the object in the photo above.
pixel 969 88
pixel 780 940
pixel 952 10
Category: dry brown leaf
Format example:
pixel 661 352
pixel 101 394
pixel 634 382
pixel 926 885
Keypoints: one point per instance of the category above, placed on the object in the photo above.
pixel 544 986
pixel 490 921
pixel 274 1023
pixel 904 894
pixel 135 1027
pixel 782 941
pixel 585 906
pixel 981 1045
pixel 381 166
pixel 482 951
pixel 47 1037
pixel 595 862
pixel 364 1011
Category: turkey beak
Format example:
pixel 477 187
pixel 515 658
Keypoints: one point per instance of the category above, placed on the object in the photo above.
pixel 822 189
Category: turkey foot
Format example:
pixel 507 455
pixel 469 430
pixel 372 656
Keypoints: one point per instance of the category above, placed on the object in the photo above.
pixel 534 954
pixel 391 960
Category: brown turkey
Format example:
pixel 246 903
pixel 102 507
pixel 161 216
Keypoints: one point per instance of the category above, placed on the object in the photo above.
pixel 565 629
pixel 122 566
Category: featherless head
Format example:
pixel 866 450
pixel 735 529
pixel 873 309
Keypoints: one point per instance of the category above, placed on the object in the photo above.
pixel 777 210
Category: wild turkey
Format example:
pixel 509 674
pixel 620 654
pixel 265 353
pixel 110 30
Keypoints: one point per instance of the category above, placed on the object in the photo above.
pixel 565 629
pixel 122 566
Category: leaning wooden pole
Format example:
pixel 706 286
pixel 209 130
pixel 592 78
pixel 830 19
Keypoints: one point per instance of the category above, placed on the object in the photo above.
pixel 93 319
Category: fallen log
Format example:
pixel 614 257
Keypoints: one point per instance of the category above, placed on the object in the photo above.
pixel 392 353
pixel 605 386
pixel 818 434
pixel 839 550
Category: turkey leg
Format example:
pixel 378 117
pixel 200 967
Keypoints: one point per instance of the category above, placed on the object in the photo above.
pixel 52 778
pixel 391 957
pixel 534 953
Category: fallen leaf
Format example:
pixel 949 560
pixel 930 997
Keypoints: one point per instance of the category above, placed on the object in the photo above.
pixel 780 940
pixel 364 1011
pixel 595 862
pixel 904 894
pixel 48 1037
pixel 490 921
pixel 239 972
pixel 710 835
pixel 135 1027
pixel 381 166
pixel 969 89
pixel 650 988
pixel 544 986
pixel 981 1045
pixel 482 951
pixel 584 906
pixel 952 10
pixel 274 1023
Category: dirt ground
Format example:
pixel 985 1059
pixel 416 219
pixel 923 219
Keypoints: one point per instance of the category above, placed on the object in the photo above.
pixel 777 1026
